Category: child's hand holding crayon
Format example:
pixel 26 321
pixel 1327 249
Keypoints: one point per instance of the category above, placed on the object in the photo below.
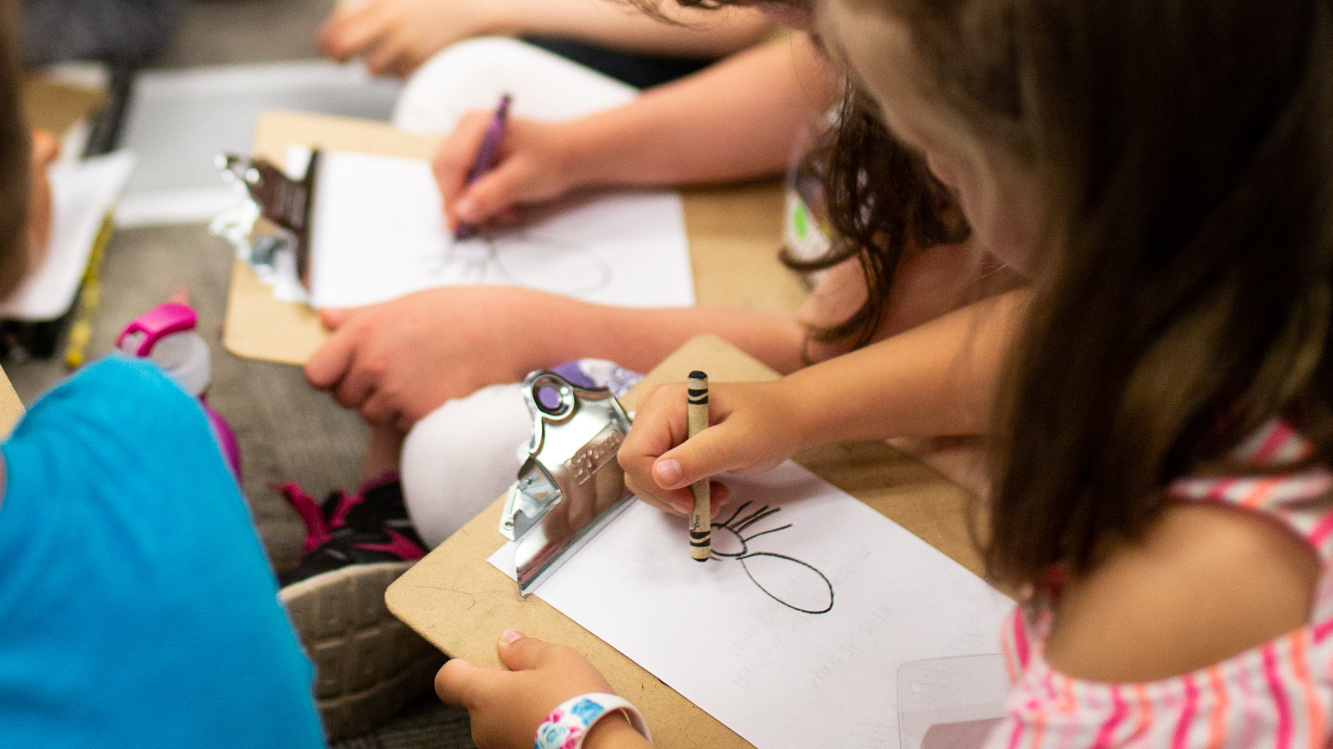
pixel 753 427
pixel 535 163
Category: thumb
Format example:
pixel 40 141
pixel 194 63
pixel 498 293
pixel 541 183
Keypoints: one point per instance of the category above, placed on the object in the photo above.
pixel 458 682
pixel 522 653
pixel 714 450
pixel 492 193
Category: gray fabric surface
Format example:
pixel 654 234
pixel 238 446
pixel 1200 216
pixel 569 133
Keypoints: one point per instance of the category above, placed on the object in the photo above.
pixel 224 32
pixel 287 431
pixel 424 724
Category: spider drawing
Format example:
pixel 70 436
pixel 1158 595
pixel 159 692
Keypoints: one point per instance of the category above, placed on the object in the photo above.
pixel 524 259
pixel 799 585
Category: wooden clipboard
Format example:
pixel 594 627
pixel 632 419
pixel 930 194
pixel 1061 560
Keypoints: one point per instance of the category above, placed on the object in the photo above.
pixel 11 408
pixel 734 234
pixel 460 603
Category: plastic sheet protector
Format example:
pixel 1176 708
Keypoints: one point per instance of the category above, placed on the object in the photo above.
pixel 794 632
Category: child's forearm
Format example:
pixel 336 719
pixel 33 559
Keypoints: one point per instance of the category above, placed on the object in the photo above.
pixel 735 120
pixel 639 339
pixel 700 32
pixel 936 379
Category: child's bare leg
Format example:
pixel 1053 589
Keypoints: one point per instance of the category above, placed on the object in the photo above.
pixel 384 452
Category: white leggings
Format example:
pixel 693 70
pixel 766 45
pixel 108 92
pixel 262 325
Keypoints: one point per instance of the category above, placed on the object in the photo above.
pixel 464 454
pixel 461 457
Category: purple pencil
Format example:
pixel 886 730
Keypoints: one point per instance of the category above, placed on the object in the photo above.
pixel 495 132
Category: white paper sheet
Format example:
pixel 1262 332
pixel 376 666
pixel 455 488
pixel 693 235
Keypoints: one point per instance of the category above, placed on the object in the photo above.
pixel 776 675
pixel 379 233
pixel 82 194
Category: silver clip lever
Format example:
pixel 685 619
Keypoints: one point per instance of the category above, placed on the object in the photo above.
pixel 570 486
pixel 288 203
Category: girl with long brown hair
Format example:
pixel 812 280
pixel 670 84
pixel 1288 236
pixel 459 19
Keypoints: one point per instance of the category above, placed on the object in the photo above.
pixel 1162 169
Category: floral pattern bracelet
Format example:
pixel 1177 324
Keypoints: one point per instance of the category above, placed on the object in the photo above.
pixel 568 724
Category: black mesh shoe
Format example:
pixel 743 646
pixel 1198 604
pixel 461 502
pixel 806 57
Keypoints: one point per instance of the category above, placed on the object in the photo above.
pixel 369 527
pixel 368 663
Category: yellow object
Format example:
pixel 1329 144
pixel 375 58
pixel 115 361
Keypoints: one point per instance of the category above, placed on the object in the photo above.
pixel 85 307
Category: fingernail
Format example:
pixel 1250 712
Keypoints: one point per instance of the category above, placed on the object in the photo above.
pixel 467 210
pixel 683 507
pixel 668 472
pixel 510 635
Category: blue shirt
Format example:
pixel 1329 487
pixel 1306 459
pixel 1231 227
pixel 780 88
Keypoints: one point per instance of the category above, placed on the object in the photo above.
pixel 137 607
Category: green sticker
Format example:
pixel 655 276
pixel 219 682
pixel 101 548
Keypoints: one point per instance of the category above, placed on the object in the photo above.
pixel 801 221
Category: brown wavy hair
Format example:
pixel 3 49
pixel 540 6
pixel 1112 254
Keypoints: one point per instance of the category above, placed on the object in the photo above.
pixel 880 196
pixel 15 144
pixel 881 199
pixel 1184 293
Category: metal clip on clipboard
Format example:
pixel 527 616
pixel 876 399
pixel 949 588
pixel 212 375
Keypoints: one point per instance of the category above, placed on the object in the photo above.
pixel 570 486
pixel 287 204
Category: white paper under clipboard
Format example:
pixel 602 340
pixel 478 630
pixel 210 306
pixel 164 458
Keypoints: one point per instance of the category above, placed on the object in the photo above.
pixel 951 703
pixel 82 194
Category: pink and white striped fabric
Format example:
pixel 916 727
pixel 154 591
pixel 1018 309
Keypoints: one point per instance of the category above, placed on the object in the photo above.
pixel 1279 694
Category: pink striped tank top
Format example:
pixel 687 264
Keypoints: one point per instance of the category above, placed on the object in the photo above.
pixel 1279 694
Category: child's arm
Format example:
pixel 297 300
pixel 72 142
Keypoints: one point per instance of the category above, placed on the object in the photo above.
pixel 396 36
pixel 400 360
pixel 507 706
pixel 936 379
pixel 1204 583
pixel 736 120
pixel 45 149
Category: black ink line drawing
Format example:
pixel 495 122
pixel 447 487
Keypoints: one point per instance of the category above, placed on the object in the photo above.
pixel 736 526
pixel 524 259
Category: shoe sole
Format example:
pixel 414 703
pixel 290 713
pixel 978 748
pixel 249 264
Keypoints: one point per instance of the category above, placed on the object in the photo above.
pixel 368 664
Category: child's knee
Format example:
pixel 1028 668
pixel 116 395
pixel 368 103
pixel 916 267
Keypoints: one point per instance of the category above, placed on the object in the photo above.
pixel 461 457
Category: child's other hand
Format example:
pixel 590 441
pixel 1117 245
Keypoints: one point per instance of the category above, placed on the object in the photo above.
pixel 397 361
pixel 752 429
pixel 532 165
pixel 45 149
pixel 507 706
pixel 394 37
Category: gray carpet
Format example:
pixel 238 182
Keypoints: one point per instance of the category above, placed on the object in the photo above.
pixel 287 431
